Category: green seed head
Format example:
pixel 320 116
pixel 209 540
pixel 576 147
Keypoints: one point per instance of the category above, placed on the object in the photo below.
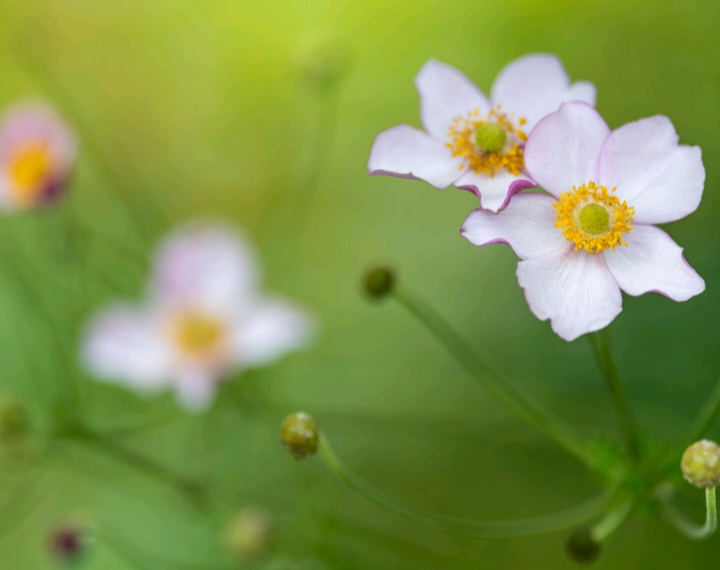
pixel 594 219
pixel 299 434
pixel 490 137
pixel 701 464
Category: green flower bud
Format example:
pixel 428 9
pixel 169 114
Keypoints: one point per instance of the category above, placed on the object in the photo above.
pixel 379 282
pixel 581 546
pixel 299 434
pixel 250 533
pixel 701 464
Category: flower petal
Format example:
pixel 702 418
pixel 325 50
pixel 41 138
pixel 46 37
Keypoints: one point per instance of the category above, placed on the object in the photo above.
pixel 445 93
pixel 527 225
pixel 406 152
pixel 126 344
pixel 195 388
pixel 535 85
pixel 653 262
pixel 573 289
pixel 562 150
pixel 494 192
pixel 273 329
pixel 662 180
pixel 204 267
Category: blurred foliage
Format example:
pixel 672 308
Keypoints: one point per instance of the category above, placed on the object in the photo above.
pixel 231 110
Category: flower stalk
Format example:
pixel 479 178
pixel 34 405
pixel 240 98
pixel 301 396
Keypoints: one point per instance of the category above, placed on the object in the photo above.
pixel 689 528
pixel 502 388
pixel 600 343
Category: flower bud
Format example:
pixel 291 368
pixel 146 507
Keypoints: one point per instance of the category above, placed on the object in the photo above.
pixel 701 464
pixel 378 282
pixel 325 56
pixel 581 546
pixel 14 423
pixel 250 533
pixel 66 544
pixel 299 434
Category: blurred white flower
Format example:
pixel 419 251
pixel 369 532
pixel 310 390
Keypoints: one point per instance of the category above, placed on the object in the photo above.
pixel 203 320
pixel 37 154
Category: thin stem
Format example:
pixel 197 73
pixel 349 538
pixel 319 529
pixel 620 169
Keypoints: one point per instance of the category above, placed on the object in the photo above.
pixel 544 524
pixel 690 529
pixel 502 388
pixel 612 520
pixel 186 486
pixel 600 343
pixel 705 419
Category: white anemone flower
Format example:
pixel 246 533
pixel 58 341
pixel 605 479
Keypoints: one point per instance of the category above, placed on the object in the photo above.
pixel 37 153
pixel 204 320
pixel 472 141
pixel 594 235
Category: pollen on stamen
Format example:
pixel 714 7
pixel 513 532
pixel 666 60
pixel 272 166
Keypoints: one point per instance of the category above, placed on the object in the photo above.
pixel 578 217
pixel 464 143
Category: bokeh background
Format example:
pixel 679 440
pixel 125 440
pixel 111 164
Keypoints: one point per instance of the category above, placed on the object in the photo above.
pixel 262 114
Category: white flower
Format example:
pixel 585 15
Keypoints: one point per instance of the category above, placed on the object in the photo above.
pixel 594 235
pixel 37 154
pixel 202 321
pixel 474 142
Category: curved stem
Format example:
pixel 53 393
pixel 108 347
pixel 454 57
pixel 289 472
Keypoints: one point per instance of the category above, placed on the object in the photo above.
pixel 544 524
pixel 612 520
pixel 502 388
pixel 706 418
pixel 600 343
pixel 690 529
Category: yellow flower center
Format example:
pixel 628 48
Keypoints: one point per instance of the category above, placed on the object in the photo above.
pixel 488 143
pixel 198 335
pixel 28 169
pixel 593 218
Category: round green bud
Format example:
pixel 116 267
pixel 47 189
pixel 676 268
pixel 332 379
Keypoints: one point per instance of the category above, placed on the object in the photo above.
pixel 594 219
pixel 299 434
pixel 490 137
pixel 378 282
pixel 581 546
pixel 14 422
pixel 249 533
pixel 701 464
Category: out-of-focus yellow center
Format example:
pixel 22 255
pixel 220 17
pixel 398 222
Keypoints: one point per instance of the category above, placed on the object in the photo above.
pixel 488 143
pixel 198 334
pixel 593 218
pixel 28 169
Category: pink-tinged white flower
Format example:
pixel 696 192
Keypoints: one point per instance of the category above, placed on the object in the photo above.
pixel 37 154
pixel 472 141
pixel 203 320
pixel 594 235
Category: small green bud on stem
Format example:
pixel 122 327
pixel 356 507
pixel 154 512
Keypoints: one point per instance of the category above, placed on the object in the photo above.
pixel 379 282
pixel 582 547
pixel 701 464
pixel 299 434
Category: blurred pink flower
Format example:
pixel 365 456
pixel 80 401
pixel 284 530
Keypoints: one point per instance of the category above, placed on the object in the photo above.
pixel 37 154
pixel 203 320
pixel 594 235
pixel 471 141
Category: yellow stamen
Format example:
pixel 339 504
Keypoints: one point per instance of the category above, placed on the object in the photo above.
pixel 28 170
pixel 488 158
pixel 593 217
pixel 197 334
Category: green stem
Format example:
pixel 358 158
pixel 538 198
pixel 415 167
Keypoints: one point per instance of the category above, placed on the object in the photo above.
pixel 612 520
pixel 187 487
pixel 502 388
pixel 544 524
pixel 690 529
pixel 600 343
pixel 706 418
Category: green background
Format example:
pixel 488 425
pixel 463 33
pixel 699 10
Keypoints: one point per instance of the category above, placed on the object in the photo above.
pixel 210 110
